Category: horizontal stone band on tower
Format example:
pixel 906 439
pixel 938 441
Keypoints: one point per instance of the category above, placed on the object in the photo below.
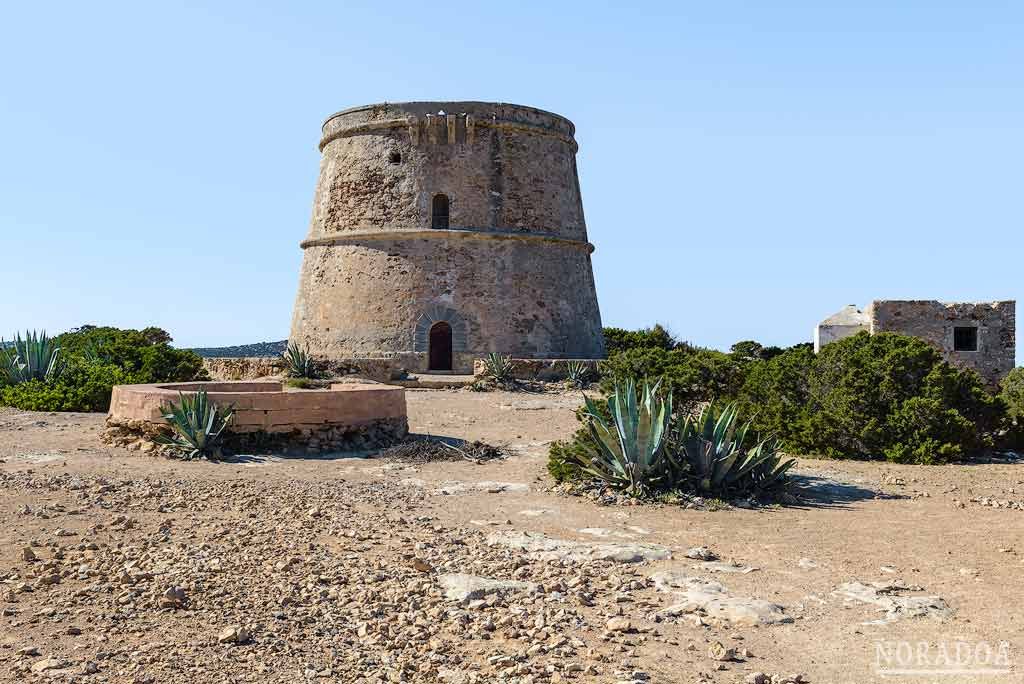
pixel 413 123
pixel 434 233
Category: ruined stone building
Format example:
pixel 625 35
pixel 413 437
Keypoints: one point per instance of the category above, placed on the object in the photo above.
pixel 981 336
pixel 443 231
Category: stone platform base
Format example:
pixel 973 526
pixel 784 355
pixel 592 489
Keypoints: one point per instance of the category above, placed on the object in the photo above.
pixel 381 434
pixel 348 416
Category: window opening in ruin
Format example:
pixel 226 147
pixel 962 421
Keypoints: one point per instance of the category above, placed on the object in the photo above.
pixel 440 347
pixel 395 158
pixel 439 213
pixel 965 339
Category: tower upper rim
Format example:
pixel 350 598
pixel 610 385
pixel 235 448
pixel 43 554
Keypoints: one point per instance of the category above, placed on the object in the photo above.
pixel 475 107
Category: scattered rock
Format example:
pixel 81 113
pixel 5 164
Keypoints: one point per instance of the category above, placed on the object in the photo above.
pixel 713 600
pixel 463 587
pixel 701 553
pixel 896 606
pixel 720 566
pixel 619 624
pixel 49 664
pixel 545 548
pixel 717 651
pixel 174 597
pixel 236 634
pixel 489 487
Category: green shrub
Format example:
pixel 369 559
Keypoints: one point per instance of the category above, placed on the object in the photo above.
pixel 749 350
pixel 304 383
pixel 146 354
pixel 619 340
pixel 1012 394
pixel 883 396
pixel 564 456
pixel 776 394
pixel 82 387
pixel 692 375
pixel 96 360
pixel 872 396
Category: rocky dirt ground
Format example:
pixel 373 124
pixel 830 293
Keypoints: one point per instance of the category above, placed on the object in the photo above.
pixel 118 567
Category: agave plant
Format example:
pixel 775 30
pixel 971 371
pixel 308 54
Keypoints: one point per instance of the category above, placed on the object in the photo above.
pixel 499 368
pixel 37 357
pixel 628 448
pixel 197 426
pixel 92 352
pixel 577 373
pixel 298 362
pixel 718 453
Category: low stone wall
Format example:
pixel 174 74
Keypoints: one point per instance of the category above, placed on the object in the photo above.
pixel 550 370
pixel 265 406
pixel 381 369
pixel 243 368
pixel 348 415
pixel 254 368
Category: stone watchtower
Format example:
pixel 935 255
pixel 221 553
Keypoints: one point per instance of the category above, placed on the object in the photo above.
pixel 443 231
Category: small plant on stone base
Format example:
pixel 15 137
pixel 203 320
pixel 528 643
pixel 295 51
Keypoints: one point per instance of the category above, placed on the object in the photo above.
pixel 577 374
pixel 197 426
pixel 499 369
pixel 305 383
pixel 298 362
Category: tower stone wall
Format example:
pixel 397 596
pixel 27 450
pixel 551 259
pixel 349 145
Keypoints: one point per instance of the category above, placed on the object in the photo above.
pixel 507 267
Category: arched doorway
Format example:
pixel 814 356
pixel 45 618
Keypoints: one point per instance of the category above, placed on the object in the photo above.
pixel 439 212
pixel 440 347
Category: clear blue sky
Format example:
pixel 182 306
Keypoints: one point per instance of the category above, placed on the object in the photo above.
pixel 747 167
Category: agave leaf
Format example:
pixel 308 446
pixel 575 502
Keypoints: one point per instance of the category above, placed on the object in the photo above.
pixel 721 466
pixel 754 458
pixel 628 449
pixel 34 357
pixel 196 425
